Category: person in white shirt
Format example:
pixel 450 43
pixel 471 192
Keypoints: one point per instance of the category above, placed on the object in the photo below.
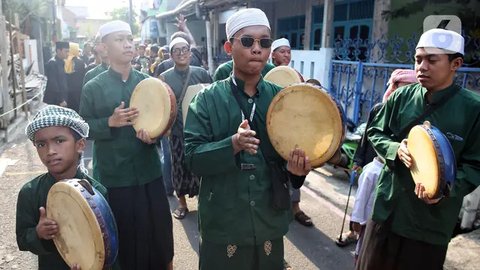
pixel 362 209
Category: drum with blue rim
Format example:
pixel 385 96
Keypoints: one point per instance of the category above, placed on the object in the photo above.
pixel 87 230
pixel 433 158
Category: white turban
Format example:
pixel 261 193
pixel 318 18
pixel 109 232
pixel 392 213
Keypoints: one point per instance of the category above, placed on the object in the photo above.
pixel 279 43
pixel 449 41
pixel 176 41
pixel 112 27
pixel 244 18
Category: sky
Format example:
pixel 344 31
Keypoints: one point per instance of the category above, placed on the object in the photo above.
pixel 97 8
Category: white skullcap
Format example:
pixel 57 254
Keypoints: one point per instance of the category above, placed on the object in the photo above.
pixel 279 43
pixel 449 41
pixel 112 27
pixel 176 41
pixel 244 18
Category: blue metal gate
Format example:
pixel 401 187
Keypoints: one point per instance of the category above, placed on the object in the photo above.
pixel 358 84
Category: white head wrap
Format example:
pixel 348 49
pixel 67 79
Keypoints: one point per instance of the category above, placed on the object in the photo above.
pixel 56 116
pixel 112 27
pixel 244 18
pixel 176 41
pixel 279 43
pixel 449 41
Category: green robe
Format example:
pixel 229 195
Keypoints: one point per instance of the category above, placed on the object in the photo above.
pixel 32 196
pixel 224 70
pixel 459 119
pixel 94 72
pixel 234 205
pixel 122 159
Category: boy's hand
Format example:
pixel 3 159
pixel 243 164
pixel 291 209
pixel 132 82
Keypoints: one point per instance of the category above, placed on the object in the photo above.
pixel 245 139
pixel 298 163
pixel 122 117
pixel 46 228
pixel 144 137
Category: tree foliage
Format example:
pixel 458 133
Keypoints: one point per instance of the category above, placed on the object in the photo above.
pixel 122 14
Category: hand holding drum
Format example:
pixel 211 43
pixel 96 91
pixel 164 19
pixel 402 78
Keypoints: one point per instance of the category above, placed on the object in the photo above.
pixel 431 160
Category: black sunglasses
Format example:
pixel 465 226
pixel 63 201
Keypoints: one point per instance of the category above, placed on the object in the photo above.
pixel 247 42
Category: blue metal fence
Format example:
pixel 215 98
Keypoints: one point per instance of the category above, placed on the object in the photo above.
pixel 360 71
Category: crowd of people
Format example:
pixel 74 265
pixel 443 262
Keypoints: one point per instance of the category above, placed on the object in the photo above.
pixel 222 153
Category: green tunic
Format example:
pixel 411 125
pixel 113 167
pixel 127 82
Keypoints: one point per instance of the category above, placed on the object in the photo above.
pixel 94 72
pixel 32 196
pixel 224 70
pixel 459 119
pixel 176 78
pixel 184 182
pixel 122 159
pixel 234 205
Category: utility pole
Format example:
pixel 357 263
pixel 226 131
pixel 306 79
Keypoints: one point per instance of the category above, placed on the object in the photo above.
pixel 5 96
pixel 130 13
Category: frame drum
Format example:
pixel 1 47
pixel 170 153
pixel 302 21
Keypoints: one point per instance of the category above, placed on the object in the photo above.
pixel 433 160
pixel 157 107
pixel 87 230
pixel 283 76
pixel 190 93
pixel 306 117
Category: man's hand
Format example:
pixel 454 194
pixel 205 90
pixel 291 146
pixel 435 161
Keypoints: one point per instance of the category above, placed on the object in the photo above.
pixel 63 103
pixel 404 155
pixel 144 137
pixel 245 139
pixel 298 163
pixel 46 228
pixel 75 267
pixel 122 117
pixel 422 195
pixel 181 22
pixel 356 227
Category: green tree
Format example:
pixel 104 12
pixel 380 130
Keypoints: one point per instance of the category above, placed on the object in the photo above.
pixel 122 14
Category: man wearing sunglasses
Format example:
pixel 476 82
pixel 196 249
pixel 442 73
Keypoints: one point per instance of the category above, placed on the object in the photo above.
pixel 224 70
pixel 226 143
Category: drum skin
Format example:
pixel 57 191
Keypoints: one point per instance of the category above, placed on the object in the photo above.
pixel 190 93
pixel 306 117
pixel 157 106
pixel 434 162
pixel 87 230
pixel 284 76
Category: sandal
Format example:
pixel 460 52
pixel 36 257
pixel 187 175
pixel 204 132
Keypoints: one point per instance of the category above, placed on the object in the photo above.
pixel 180 212
pixel 303 219
pixel 347 239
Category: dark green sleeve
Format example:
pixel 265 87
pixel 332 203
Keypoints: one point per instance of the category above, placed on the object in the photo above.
pixel 468 164
pixel 222 72
pixel 99 129
pixel 380 133
pixel 204 156
pixel 26 223
pixel 99 187
pixel 88 76
pixel 267 68
pixel 207 78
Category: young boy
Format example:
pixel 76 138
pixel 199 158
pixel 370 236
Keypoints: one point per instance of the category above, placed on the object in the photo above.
pixel 240 228
pixel 59 135
pixel 127 162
